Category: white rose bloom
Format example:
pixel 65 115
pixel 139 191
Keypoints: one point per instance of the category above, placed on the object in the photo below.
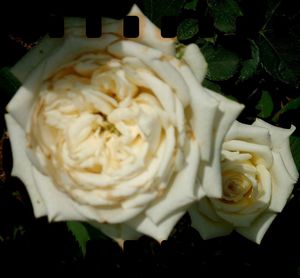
pixel 112 130
pixel 258 175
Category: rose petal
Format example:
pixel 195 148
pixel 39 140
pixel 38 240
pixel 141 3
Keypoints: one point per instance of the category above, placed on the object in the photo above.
pixel 280 144
pixel 61 207
pixel 195 59
pixel 257 229
pixel 139 200
pixel 204 109
pixel 254 134
pixel 161 90
pixel 173 78
pixel 21 104
pixel 238 219
pixel 208 228
pixel 264 197
pixel 282 184
pixel 205 207
pixel 160 231
pixel 123 49
pixel 118 232
pixel 22 165
pixel 76 26
pixel 181 192
pixel 30 61
pixel 209 173
pixel 261 153
pixel 150 35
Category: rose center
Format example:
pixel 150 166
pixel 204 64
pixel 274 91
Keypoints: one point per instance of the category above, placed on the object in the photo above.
pixel 236 186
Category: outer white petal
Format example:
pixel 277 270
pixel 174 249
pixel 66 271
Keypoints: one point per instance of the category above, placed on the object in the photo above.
pixel 32 58
pixel 20 105
pixel 118 232
pixel 208 108
pixel 74 46
pixel 22 165
pixel 126 48
pixel 181 192
pixel 74 26
pixel 110 25
pixel 195 59
pixel 258 228
pixel 150 35
pixel 210 173
pixel 206 227
pixel 239 219
pixel 61 207
pixel 249 133
pixel 280 144
pixel 160 231
pixel 282 184
pixel 204 110
pixel 205 207
pixel 173 78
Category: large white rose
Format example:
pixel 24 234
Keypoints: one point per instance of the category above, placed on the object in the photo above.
pixel 258 174
pixel 113 130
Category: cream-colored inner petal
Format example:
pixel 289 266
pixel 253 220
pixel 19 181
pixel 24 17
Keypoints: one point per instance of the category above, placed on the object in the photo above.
pixel 108 131
pixel 246 182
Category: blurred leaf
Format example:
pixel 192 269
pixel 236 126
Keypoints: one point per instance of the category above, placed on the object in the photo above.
pixel 187 29
pixel 83 232
pixel 80 233
pixel 249 66
pixel 280 56
pixel 222 63
pixel 295 148
pixel 272 6
pixel 225 13
pixel 8 82
pixel 155 9
pixel 211 85
pixel 94 232
pixel 265 105
pixel 191 5
pixel 291 105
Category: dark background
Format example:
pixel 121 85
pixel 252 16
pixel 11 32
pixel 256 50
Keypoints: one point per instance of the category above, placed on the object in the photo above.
pixel 29 245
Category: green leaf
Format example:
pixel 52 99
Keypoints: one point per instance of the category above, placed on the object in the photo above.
pixel 80 233
pixel 187 29
pixel 295 148
pixel 155 9
pixel 280 57
pixel 8 82
pixel 211 85
pixel 249 66
pixel 191 5
pixel 272 6
pixel 265 105
pixel 83 232
pixel 225 13
pixel 291 105
pixel 95 233
pixel 222 63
